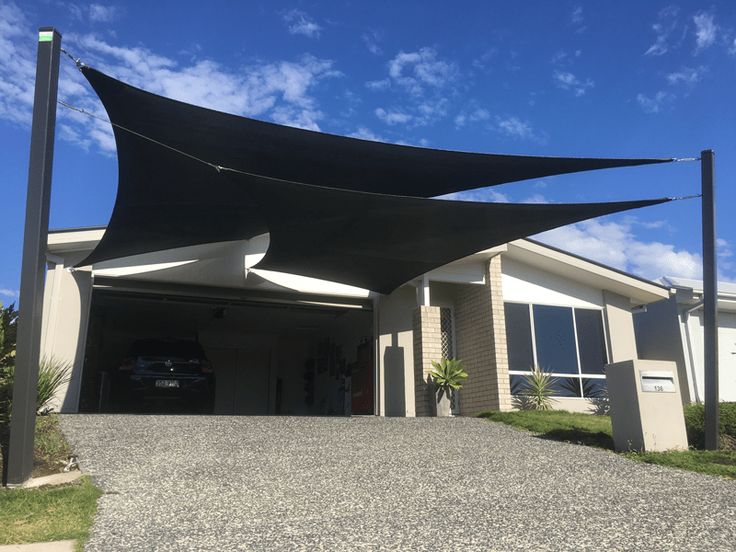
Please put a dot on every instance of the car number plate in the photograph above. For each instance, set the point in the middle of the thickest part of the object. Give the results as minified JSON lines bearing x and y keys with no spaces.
{"x":167,"y":383}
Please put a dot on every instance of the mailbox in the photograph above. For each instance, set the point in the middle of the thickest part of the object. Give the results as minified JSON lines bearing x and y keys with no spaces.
{"x":646,"y":408}
{"x":657,"y":382}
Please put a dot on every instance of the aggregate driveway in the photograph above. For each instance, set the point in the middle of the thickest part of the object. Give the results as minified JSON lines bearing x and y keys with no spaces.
{"x":285,"y":483}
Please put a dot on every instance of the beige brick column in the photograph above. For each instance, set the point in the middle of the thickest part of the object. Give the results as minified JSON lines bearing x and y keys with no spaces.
{"x":480,"y":335}
{"x":427,"y":347}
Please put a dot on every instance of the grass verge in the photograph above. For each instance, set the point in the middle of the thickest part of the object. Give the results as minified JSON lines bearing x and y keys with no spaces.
{"x":48,"y":513}
{"x":586,"y":429}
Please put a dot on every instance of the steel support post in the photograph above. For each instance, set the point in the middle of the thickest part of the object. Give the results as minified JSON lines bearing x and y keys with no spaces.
{"x":33,"y":271}
{"x":710,"y":301}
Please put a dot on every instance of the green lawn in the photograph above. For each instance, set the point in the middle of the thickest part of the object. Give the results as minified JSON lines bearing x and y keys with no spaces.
{"x":586,"y":429}
{"x":48,"y":514}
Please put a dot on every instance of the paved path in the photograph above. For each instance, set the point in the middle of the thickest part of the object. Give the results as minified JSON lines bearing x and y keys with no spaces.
{"x":243,"y":483}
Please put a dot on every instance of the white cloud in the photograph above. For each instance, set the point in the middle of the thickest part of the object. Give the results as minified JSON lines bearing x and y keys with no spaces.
{"x":417,"y":71}
{"x":364,"y":133}
{"x":484,"y":61}
{"x":418,"y":114}
{"x":382,"y":84}
{"x":705,"y":30}
{"x":687,"y":75}
{"x":576,"y":17}
{"x":615,"y":244}
{"x":516,"y":128}
{"x":393,"y":117}
{"x":12,"y":293}
{"x":425,"y":77}
{"x":299,"y":23}
{"x":17,"y":66}
{"x":666,"y":24}
{"x":371,"y":40}
{"x":656,"y":103}
{"x":473,"y":116}
{"x":536,"y":198}
{"x":567,"y":81}
{"x":732,"y":48}
{"x":482,"y":195}
{"x":561,"y":57}
{"x":577,"y":20}
{"x":103,"y":14}
{"x":276,"y":90}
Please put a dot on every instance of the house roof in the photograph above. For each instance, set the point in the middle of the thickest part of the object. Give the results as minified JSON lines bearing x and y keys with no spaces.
{"x":549,"y":258}
{"x":725,"y":289}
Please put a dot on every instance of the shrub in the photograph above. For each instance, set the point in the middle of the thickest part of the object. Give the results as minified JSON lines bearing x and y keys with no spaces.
{"x":695,"y":423}
{"x":448,"y":374}
{"x":536,"y":392}
{"x":52,"y":374}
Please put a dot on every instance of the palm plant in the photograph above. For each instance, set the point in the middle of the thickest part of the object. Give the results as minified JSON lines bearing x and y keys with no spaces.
{"x":537,"y":391}
{"x":448,"y":374}
{"x":448,"y":377}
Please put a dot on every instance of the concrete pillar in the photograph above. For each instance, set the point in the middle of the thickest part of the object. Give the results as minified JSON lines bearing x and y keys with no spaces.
{"x":427,"y":348}
{"x":395,"y":332}
{"x":480,"y":329}
{"x":67,"y":301}
{"x":620,"y":324}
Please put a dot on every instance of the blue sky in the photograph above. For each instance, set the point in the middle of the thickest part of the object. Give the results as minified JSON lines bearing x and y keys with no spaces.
{"x":628,"y":78}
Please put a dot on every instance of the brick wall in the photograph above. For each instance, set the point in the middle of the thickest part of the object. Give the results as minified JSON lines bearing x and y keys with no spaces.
{"x":427,"y":347}
{"x":480,"y":334}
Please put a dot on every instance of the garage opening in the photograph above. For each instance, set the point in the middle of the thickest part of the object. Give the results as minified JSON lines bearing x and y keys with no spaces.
{"x":173,"y":354}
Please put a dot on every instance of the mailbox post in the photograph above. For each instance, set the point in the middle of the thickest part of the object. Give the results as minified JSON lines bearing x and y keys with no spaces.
{"x":646,"y":408}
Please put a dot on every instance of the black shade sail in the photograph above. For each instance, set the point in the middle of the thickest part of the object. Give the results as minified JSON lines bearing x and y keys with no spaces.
{"x":331,"y":223}
{"x":317,"y":158}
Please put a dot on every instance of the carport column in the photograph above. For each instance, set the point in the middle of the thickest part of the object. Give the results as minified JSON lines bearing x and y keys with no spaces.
{"x":33,"y":271}
{"x":427,"y":347}
{"x":480,"y":335}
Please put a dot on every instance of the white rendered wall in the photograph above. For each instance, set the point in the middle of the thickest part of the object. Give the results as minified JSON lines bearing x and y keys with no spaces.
{"x":395,"y":334}
{"x":526,"y":284}
{"x":693,"y":329}
{"x":66,"y":305}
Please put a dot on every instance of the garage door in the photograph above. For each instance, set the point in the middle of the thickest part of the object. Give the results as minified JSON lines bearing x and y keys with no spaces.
{"x":154,"y":353}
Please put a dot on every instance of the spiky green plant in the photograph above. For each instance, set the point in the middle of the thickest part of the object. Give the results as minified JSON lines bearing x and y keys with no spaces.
{"x":448,"y":374}
{"x":52,"y":374}
{"x":536,"y":392}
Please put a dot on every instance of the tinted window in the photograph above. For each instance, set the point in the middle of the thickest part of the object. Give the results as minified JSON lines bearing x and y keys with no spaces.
{"x":594,"y":388}
{"x":155,"y":347}
{"x":518,"y":384}
{"x":566,"y":387}
{"x":519,"y":337}
{"x":591,"y":343}
{"x":555,"y":339}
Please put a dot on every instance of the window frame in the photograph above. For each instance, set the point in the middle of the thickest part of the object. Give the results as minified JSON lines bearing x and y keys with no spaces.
{"x":579,"y":376}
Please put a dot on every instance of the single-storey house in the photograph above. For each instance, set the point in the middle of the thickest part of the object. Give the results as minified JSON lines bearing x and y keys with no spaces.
{"x":286,"y":344}
{"x":673,"y":330}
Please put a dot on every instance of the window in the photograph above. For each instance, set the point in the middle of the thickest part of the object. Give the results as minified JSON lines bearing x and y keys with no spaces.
{"x":569,"y":343}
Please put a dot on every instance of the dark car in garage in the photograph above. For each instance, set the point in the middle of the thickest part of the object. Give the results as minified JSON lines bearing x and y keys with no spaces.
{"x":164,"y":374}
